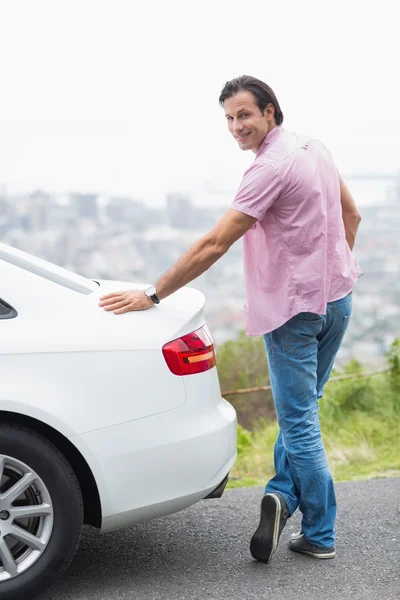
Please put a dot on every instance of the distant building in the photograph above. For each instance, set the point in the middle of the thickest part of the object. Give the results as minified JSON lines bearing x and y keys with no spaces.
{"x":117,"y":209}
{"x":4,"y":217}
{"x":7,"y":210}
{"x":3,"y":202}
{"x":86,"y":206}
{"x":126,"y":211}
{"x":180,"y":211}
{"x":40,"y":205}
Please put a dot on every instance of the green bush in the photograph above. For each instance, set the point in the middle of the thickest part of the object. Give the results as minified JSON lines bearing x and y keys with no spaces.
{"x":244,"y":440}
{"x":243,"y":364}
{"x":360,"y":418}
{"x":393,"y":359}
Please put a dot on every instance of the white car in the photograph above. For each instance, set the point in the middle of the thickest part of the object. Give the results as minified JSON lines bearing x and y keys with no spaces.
{"x":104,"y":419}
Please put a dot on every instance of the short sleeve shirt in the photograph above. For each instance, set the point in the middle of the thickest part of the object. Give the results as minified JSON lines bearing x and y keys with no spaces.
{"x":296,"y":258}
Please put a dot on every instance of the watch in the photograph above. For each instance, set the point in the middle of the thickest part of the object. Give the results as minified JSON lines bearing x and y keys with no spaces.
{"x":152,"y":294}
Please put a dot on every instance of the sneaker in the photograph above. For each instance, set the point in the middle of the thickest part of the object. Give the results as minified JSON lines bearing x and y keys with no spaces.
{"x":274,"y":514}
{"x":298,"y":543}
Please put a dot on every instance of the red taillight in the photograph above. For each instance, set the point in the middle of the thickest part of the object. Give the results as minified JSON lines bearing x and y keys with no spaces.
{"x":192,"y":353}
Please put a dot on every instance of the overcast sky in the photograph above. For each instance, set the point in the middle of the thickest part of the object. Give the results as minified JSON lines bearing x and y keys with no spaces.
{"x":122,"y":96}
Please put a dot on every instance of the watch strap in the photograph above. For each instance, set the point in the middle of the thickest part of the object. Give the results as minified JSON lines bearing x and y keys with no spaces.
{"x":153,"y":296}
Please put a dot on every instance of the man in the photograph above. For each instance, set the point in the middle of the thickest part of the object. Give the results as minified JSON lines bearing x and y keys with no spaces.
{"x":299,"y":224}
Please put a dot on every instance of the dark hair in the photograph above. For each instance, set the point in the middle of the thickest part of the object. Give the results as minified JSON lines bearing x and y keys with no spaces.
{"x":262,"y":92}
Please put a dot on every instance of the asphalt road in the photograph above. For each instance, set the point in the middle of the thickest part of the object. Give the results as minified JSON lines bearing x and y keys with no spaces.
{"x":202,"y":553}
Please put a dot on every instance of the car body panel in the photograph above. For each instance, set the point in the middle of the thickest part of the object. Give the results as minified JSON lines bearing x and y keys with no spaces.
{"x":90,"y":390}
{"x":154,"y":442}
{"x":53,"y":318}
{"x":148,"y":454}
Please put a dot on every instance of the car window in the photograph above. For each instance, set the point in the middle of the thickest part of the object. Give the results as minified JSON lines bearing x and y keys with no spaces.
{"x":6,"y":310}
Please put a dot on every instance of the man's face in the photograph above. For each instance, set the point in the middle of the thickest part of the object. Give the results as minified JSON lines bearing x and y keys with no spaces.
{"x":246,"y":122}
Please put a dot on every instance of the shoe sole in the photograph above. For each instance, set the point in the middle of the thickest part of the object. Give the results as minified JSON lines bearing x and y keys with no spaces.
{"x":313,"y":554}
{"x":264,"y":542}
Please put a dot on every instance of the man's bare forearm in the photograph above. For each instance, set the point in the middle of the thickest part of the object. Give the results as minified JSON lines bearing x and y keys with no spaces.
{"x":351,"y":216}
{"x":192,"y":264}
{"x":351,"y":222}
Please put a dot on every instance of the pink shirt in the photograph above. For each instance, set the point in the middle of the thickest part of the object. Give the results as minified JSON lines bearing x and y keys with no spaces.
{"x":296,"y":258}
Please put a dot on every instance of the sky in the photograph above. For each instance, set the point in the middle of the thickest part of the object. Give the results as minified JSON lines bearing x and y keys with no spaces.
{"x":121,"y":97}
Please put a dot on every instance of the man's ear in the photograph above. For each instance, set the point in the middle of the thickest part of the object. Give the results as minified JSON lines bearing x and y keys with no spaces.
{"x":269,"y":111}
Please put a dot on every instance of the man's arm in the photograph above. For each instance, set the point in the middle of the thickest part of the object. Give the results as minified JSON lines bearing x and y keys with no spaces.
{"x":204,"y":253}
{"x":351,"y":216}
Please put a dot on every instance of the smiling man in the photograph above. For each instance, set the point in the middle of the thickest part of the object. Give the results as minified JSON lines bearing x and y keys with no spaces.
{"x":298,"y":221}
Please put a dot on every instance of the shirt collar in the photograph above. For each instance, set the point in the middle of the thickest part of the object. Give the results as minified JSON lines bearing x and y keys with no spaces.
{"x":269,"y":138}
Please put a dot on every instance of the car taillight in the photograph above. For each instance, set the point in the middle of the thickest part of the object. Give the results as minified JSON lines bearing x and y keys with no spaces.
{"x":191,"y":353}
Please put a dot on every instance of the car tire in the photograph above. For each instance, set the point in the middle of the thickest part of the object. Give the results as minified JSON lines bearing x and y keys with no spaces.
{"x":51,"y":504}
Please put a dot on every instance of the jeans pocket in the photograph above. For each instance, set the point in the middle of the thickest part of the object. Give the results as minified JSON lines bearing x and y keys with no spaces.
{"x":340,"y":334}
{"x":307,"y":316}
{"x":300,"y":335}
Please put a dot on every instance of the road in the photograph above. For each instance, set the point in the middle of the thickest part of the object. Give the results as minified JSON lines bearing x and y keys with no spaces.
{"x":202,"y":553}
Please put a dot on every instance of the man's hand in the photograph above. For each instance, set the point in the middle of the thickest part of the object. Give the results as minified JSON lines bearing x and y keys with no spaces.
{"x":124,"y":301}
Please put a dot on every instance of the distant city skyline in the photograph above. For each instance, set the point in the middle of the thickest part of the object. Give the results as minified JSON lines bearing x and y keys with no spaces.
{"x":367,"y":189}
{"x":127,"y":241}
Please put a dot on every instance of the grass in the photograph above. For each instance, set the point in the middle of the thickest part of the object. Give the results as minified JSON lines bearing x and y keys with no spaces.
{"x":366,"y":447}
{"x":360,"y":423}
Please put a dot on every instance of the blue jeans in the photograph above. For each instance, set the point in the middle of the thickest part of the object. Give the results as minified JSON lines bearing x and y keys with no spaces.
{"x":301,"y":354}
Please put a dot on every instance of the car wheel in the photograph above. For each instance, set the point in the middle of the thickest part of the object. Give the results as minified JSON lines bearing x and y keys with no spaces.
{"x":41,"y":512}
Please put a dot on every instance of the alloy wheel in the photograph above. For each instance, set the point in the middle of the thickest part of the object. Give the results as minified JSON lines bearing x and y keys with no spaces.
{"x":26,"y":517}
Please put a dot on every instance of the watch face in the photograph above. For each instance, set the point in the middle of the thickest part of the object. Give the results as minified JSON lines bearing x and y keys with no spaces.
{"x":150,"y":291}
